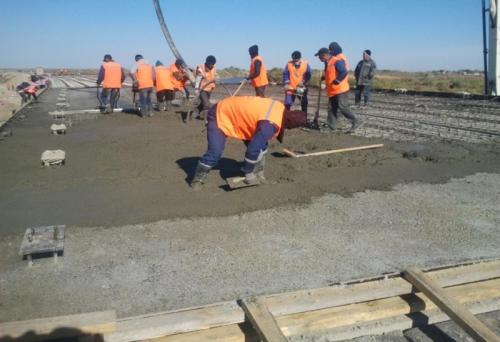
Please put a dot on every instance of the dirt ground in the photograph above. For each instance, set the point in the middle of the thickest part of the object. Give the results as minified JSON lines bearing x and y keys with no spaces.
{"x":124,"y":170}
{"x":140,"y":241}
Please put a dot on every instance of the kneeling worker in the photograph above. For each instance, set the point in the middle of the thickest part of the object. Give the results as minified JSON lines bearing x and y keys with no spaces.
{"x":255,"y":121}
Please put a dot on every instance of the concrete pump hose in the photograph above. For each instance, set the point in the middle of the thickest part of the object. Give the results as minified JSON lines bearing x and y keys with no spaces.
{"x":170,"y":41}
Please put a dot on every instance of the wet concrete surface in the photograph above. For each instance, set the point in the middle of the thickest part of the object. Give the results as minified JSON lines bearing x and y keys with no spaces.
{"x":121,"y":169}
{"x":140,"y":241}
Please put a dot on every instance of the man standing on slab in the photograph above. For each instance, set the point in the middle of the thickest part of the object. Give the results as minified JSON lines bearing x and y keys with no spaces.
{"x":337,"y":86}
{"x":364,"y":73}
{"x":258,"y":73}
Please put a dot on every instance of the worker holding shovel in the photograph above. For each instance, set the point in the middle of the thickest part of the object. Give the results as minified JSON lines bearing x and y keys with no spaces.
{"x":255,"y":121}
{"x":296,"y":75}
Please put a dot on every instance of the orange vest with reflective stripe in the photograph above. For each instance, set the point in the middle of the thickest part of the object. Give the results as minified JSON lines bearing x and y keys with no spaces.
{"x":296,"y":74}
{"x":178,"y":85}
{"x":260,"y":80}
{"x":163,"y":78}
{"x":112,"y":75}
{"x":331,"y":75}
{"x":237,"y":116}
{"x":207,"y":77}
{"x":144,"y":75}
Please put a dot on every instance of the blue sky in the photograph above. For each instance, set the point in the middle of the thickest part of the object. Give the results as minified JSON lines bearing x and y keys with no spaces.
{"x":403,"y":34}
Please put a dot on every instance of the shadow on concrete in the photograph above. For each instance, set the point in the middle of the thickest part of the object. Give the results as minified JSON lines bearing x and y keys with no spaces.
{"x":227,"y":167}
{"x":60,"y":335}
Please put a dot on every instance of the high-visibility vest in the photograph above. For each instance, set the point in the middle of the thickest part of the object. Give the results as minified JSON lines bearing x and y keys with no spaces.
{"x":112,"y":75}
{"x":30,"y":89}
{"x":144,"y":75}
{"x":178,"y":85}
{"x":207,"y":76}
{"x":296,"y":74}
{"x":237,"y":116}
{"x":163,"y":78}
{"x":260,"y":80}
{"x":331,"y":75}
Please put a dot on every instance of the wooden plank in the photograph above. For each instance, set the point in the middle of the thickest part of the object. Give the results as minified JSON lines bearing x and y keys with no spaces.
{"x":174,"y":322}
{"x":262,"y":320}
{"x":320,"y":298}
{"x":243,"y":332}
{"x":330,"y":318}
{"x":239,"y":182}
{"x":81,"y":111}
{"x":322,"y":153}
{"x":226,"y":313}
{"x":458,"y":313}
{"x":401,"y":322}
{"x":235,"y":332}
{"x":60,"y":327}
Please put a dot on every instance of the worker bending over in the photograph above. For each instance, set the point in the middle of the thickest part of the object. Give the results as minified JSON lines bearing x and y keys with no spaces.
{"x":164,"y":87}
{"x":296,"y":75}
{"x":255,"y":121}
{"x":205,"y":84}
{"x":111,"y":76}
{"x":337,"y":86}
{"x":179,"y":77}
{"x":258,"y":73}
{"x":144,"y":77}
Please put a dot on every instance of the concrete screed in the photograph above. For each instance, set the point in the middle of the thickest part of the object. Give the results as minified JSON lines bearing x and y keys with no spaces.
{"x":181,"y":262}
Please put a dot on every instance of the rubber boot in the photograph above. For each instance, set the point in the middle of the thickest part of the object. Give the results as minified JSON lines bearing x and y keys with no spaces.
{"x":200,"y":176}
{"x":259,"y":170}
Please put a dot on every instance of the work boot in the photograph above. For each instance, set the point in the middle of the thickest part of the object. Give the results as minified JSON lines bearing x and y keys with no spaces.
{"x":200,"y":175}
{"x":259,"y":170}
{"x":251,"y":179}
{"x":355,"y":125}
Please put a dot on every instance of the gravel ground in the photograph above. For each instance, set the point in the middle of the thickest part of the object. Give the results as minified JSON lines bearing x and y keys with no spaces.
{"x":171,"y":264}
{"x":139,"y":241}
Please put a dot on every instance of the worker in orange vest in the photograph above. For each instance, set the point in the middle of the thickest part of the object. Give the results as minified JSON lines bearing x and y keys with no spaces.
{"x":179,"y":77}
{"x":296,"y":76}
{"x":164,"y":87}
{"x":144,"y":77}
{"x":337,"y":86}
{"x":252,"y":119}
{"x":205,"y":84}
{"x":258,"y":73}
{"x":111,"y":76}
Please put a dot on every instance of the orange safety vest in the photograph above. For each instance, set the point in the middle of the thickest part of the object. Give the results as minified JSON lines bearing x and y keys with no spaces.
{"x":144,"y":75}
{"x":207,"y":76}
{"x":30,"y":89}
{"x":237,"y":116}
{"x":296,"y":74}
{"x":178,"y":85}
{"x":260,"y":80}
{"x":163,"y":78}
{"x":112,"y":75}
{"x":331,"y":75}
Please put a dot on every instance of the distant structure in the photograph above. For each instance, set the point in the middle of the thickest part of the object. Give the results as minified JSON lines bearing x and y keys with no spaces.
{"x":493,"y":80}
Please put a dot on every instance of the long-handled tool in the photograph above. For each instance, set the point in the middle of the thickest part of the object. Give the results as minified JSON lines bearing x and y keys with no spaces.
{"x":318,"y":104}
{"x":240,"y":86}
{"x":99,"y":97}
{"x":322,"y":153}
